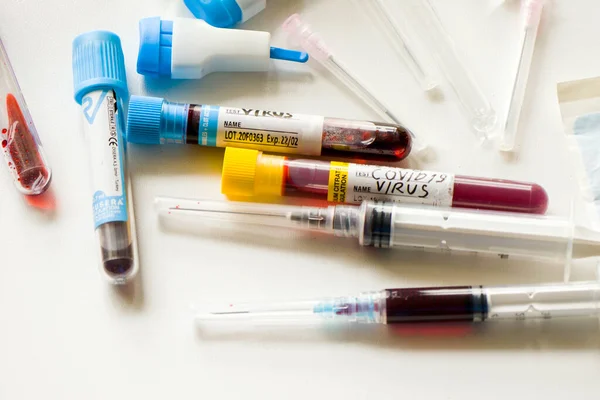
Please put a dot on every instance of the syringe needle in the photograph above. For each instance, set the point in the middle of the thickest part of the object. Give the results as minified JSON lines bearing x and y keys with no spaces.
{"x":208,"y":211}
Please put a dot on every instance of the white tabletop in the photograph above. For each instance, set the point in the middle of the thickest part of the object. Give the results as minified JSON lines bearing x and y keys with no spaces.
{"x":67,"y":334}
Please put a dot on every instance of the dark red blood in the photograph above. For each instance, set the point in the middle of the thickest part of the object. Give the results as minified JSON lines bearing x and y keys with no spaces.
{"x":306,"y":177}
{"x":4,"y":143}
{"x":365,"y":140}
{"x":310,"y":178}
{"x":499,"y":195}
{"x":433,"y":329}
{"x":431,"y":304}
{"x":23,"y":150}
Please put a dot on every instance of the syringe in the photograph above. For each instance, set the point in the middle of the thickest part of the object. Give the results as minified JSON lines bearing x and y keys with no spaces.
{"x":427,"y":304}
{"x":310,"y":42}
{"x":532,"y":15}
{"x":389,"y":225}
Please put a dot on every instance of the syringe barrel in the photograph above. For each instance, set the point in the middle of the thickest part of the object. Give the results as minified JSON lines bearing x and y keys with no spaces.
{"x":157,"y":121}
{"x":101,"y":89}
{"x":479,"y":303}
{"x":502,"y":234}
{"x":543,"y":301}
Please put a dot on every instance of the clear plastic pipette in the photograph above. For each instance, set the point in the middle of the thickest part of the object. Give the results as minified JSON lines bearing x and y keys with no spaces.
{"x":532,"y":15}
{"x":398,"y":38}
{"x":397,"y":225}
{"x":475,"y":105}
{"x":302,"y":35}
{"x":429,"y":304}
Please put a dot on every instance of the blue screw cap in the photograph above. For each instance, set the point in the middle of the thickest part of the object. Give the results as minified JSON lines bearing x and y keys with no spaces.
{"x":153,"y":120}
{"x":156,"y":47}
{"x":144,"y":120}
{"x":98,"y":64}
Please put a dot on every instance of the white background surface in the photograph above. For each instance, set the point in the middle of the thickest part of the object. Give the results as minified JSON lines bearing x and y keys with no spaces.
{"x":66,"y":334}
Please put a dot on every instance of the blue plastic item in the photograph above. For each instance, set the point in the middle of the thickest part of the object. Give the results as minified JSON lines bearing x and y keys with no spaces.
{"x":156,"y":47}
{"x":218,"y":13}
{"x":153,"y":120}
{"x":98,"y":63}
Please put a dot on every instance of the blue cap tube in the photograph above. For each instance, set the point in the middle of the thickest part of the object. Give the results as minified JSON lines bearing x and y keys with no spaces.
{"x":100,"y":85}
{"x":153,"y":120}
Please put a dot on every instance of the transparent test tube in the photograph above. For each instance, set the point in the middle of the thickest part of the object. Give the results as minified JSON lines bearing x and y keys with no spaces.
{"x":532,"y":15}
{"x":252,"y":173}
{"x":476,"y":107}
{"x":21,"y":144}
{"x":399,"y":39}
{"x":468,"y":304}
{"x":157,"y":121}
{"x":301,"y":34}
{"x":101,"y":89}
{"x":388,"y":225}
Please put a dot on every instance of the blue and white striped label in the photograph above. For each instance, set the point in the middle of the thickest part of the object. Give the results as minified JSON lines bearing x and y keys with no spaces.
{"x":208,"y":127}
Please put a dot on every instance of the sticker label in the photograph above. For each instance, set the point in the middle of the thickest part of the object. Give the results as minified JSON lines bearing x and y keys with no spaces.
{"x":279,"y":132}
{"x":338,"y":182}
{"x":354,"y":183}
{"x":106,"y":155}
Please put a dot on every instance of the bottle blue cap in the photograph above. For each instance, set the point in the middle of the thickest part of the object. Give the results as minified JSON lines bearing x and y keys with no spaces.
{"x":156,"y":47}
{"x":219,"y":13}
{"x":152,"y":120}
{"x":98,"y":63}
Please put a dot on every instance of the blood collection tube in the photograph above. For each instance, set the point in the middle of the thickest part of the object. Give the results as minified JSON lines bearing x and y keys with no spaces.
{"x":251,"y":173}
{"x":21,"y":145}
{"x":101,"y":89}
{"x":156,"y":121}
{"x":425,"y":304}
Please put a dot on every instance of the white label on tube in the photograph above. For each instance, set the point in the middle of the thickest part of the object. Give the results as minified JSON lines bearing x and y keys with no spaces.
{"x":270,"y":131}
{"x":379,"y":183}
{"x":106,"y":155}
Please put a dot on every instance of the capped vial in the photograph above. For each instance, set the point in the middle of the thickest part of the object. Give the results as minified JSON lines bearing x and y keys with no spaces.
{"x":21,"y":145}
{"x":101,"y":90}
{"x":252,"y":173}
{"x":157,"y":121}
